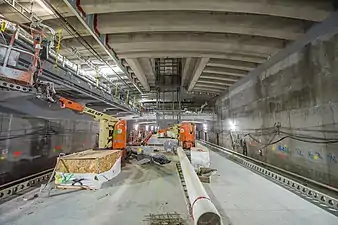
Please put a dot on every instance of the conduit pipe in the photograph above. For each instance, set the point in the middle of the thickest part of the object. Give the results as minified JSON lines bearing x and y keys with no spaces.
{"x":202,"y":209}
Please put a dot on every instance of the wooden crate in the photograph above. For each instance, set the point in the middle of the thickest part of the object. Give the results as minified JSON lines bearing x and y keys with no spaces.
{"x":89,"y":161}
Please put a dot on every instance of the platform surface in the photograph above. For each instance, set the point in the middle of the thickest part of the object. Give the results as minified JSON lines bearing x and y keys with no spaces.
{"x":245,"y":198}
{"x":127,"y":200}
{"x":241,"y":196}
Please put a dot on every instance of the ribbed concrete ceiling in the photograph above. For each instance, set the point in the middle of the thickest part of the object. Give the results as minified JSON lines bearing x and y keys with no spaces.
{"x":220,"y":41}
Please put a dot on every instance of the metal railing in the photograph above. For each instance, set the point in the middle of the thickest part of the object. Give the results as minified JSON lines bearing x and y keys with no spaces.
{"x":23,"y":184}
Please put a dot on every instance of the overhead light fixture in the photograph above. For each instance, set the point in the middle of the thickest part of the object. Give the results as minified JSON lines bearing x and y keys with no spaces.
{"x":44,"y":6}
{"x":232,"y":125}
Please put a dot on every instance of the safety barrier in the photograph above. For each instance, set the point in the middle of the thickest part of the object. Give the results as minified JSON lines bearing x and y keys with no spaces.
{"x":202,"y":209}
{"x":317,"y":197}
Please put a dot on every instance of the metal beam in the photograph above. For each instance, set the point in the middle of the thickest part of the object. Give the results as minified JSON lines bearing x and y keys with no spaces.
{"x":197,"y":72}
{"x":88,"y":22}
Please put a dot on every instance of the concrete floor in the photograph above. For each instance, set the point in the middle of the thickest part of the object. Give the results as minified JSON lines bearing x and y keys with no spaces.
{"x":128,"y":199}
{"x":244,"y":197}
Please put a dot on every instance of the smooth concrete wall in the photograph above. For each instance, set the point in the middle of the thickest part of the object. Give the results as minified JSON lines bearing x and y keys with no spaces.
{"x":300,"y":93}
{"x":32,"y":135}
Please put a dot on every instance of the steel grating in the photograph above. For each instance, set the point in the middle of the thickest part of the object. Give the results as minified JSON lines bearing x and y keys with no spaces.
{"x":165,"y":219}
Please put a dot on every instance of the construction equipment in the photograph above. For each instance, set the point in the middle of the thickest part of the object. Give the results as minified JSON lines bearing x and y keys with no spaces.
{"x":24,"y":77}
{"x":112,"y":133}
{"x":170,"y":132}
{"x":187,"y":135}
{"x":137,"y":138}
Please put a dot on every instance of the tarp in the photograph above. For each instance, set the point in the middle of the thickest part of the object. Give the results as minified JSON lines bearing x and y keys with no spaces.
{"x":200,"y":157}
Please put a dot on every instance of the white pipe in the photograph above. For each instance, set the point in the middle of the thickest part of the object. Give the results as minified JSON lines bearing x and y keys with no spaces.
{"x":202,"y":209}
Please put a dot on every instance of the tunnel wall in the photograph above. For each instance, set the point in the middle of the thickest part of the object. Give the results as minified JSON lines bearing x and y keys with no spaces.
{"x":300,"y":93}
{"x":32,"y":135}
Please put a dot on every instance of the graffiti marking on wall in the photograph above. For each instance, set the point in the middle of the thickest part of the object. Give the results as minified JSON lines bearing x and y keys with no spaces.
{"x":314,"y":155}
{"x":332,"y":158}
{"x":299,"y":152}
{"x":284,"y":148}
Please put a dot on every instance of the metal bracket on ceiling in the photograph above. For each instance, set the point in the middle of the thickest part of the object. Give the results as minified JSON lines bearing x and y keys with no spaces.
{"x":89,"y":23}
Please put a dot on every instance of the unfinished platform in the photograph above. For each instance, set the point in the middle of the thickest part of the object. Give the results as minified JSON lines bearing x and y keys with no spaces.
{"x":149,"y":194}
{"x":139,"y":195}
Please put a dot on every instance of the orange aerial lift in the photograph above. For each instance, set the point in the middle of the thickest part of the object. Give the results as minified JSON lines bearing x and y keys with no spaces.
{"x":187,"y":135}
{"x":112,"y":133}
{"x":20,"y":78}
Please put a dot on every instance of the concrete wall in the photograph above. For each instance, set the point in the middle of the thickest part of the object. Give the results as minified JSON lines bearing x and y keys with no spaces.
{"x":300,"y":93}
{"x":32,"y":135}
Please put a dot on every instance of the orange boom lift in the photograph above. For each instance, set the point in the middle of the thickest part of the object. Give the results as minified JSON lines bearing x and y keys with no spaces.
{"x":112,"y":130}
{"x":187,"y":135}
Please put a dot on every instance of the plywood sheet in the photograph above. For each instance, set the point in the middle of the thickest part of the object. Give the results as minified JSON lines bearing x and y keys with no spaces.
{"x":89,"y":161}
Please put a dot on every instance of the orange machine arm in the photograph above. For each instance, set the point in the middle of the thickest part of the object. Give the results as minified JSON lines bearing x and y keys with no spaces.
{"x":66,"y":103}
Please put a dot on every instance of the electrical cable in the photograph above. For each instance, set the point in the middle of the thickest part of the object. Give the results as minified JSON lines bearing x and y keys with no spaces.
{"x":308,"y":137}
{"x":312,"y":130}
{"x":315,"y":142}
{"x":81,"y":37}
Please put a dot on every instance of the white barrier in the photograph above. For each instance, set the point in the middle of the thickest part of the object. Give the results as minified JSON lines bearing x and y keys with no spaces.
{"x":203,"y":210}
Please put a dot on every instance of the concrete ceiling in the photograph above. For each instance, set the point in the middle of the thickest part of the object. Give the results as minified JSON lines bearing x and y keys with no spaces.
{"x":219,"y":41}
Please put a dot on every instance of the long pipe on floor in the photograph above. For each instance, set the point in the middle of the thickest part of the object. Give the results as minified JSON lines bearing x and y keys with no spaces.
{"x":203,"y":210}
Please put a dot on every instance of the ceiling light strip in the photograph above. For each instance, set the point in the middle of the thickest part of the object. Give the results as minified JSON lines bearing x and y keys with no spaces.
{"x":85,"y":21}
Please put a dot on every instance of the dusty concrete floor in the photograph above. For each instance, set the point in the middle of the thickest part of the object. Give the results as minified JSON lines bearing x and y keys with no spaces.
{"x":128,"y":199}
{"x":243,"y":197}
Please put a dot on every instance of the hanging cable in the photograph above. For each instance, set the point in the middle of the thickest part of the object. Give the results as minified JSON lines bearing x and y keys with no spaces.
{"x":308,"y":137}
{"x":86,"y":44}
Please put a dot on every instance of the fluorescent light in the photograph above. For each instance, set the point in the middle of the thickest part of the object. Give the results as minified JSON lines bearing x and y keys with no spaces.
{"x":45,"y":7}
{"x":232,"y":125}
